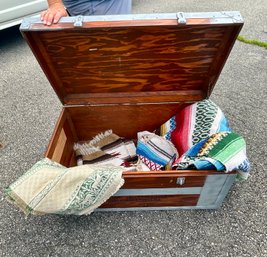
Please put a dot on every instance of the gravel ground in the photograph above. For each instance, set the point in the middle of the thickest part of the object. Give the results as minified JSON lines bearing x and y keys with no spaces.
{"x":29,"y":109}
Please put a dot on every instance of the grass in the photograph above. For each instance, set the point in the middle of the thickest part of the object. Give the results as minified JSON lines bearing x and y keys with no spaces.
{"x":252,"y":41}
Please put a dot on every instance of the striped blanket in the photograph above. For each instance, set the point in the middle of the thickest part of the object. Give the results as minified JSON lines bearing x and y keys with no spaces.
{"x":154,"y":152}
{"x":193,"y":124}
{"x":223,"y":151}
{"x":106,"y":148}
{"x":204,"y":140}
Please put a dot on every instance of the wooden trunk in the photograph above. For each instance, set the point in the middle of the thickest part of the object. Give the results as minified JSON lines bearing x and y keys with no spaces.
{"x":132,"y":73}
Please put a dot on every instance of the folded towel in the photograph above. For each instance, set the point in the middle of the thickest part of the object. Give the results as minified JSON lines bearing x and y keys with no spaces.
{"x":50,"y":188}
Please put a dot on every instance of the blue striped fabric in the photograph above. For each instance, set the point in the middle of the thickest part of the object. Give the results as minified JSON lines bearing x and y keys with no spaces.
{"x":98,"y":7}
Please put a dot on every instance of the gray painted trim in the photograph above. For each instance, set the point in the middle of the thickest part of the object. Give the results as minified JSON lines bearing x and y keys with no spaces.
{"x":159,"y":191}
{"x":215,"y":189}
{"x":226,"y":187}
{"x":211,"y":189}
{"x":217,"y":18}
{"x":166,"y":208}
{"x":212,"y":195}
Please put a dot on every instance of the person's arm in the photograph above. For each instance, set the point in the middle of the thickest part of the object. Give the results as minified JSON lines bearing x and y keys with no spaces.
{"x":55,"y":11}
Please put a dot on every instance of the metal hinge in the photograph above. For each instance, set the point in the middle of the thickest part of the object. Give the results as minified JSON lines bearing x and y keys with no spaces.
{"x":78,"y":21}
{"x":181,"y":18}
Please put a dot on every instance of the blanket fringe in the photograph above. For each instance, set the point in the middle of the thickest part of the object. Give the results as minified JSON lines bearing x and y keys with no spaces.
{"x":100,"y":136}
{"x":85,"y":148}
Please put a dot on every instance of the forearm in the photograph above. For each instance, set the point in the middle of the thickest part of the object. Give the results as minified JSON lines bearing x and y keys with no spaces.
{"x":53,"y":2}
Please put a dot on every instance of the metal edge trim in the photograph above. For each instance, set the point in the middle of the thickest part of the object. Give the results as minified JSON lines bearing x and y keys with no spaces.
{"x":159,"y":191}
{"x":225,"y":189}
{"x":166,"y":208}
{"x":227,"y":16}
{"x":211,"y":189}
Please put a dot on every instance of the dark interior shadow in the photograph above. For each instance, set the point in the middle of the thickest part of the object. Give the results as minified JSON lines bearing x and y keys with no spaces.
{"x":10,"y":37}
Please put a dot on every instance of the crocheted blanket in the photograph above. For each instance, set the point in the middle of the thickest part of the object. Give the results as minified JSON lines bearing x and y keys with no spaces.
{"x":50,"y":188}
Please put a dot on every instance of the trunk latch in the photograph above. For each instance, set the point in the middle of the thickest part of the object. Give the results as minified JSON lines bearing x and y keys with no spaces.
{"x":181,"y":18}
{"x":180,"y":181}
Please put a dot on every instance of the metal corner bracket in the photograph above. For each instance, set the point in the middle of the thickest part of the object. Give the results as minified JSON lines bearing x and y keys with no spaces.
{"x":25,"y":25}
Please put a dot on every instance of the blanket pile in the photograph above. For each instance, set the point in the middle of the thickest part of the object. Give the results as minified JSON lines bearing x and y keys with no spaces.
{"x":198,"y":137}
{"x":204,"y":140}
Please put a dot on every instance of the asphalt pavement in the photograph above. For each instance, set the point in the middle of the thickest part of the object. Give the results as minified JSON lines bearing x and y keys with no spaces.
{"x":29,"y":109}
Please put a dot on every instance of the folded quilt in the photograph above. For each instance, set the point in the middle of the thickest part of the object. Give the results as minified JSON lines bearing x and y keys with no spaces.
{"x":223,"y":151}
{"x":50,"y":188}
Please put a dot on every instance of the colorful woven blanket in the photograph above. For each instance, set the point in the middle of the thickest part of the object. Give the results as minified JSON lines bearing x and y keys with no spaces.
{"x":204,"y":140}
{"x":50,"y":188}
{"x":154,"y":152}
{"x":106,"y":148}
{"x":223,"y":151}
{"x":193,"y":124}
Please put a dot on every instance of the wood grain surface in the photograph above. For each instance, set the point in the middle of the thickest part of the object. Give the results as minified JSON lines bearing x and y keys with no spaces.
{"x":60,"y":148}
{"x":113,"y":60}
{"x":154,"y":181}
{"x":124,"y":120}
{"x":150,"y":201}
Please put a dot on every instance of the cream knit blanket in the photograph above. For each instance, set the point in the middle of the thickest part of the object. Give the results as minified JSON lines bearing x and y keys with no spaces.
{"x":50,"y":188}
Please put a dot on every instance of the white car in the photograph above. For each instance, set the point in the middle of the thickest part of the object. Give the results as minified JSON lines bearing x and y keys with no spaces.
{"x":13,"y":11}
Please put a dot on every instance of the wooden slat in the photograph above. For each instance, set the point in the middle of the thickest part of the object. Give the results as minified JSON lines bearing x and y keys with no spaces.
{"x":161,"y":182}
{"x":125,"y":120}
{"x":67,"y":152}
{"x":219,"y":61}
{"x":56,"y":134}
{"x":45,"y":62}
{"x":169,"y":173}
{"x":60,"y":148}
{"x":150,"y":201}
{"x":190,"y":96}
{"x":124,"y":23}
{"x":61,"y":145}
{"x":115,"y":57}
{"x":109,"y":24}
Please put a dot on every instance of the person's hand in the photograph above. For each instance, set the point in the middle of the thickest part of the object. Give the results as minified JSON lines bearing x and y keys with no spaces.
{"x":53,"y":14}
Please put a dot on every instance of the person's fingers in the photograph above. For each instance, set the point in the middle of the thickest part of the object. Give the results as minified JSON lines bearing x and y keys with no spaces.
{"x":45,"y":16}
{"x":57,"y":17}
{"x":42,"y":15}
{"x":53,"y":14}
{"x":49,"y":18}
